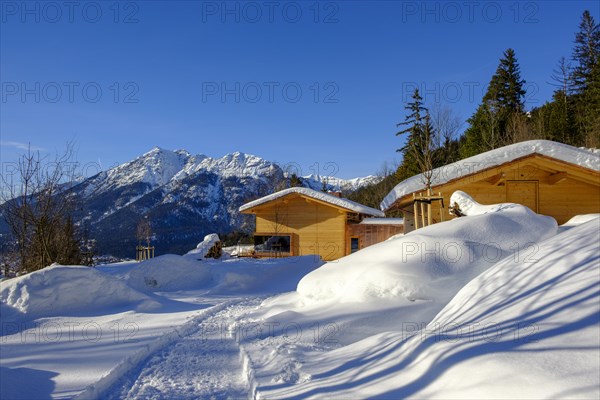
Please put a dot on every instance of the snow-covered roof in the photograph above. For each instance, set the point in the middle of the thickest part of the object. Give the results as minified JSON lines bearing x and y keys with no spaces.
{"x":586,"y":158}
{"x":327,"y":198}
{"x":382,"y":221}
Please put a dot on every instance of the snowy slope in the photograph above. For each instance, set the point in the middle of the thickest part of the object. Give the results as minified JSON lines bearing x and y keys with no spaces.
{"x":153,"y":169}
{"x":578,"y":156}
{"x":528,"y":327}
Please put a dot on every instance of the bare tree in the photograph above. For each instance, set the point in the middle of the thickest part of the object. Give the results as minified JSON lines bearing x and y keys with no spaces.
{"x":518,"y":128}
{"x":144,"y":231}
{"x":38,"y":210}
{"x":445,"y":123}
{"x":492,"y":137}
{"x":562,"y":77}
{"x":447,"y":126}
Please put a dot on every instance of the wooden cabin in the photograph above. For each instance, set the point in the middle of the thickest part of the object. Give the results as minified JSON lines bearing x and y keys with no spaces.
{"x":370,"y":231}
{"x":302,"y":221}
{"x":550,"y":178}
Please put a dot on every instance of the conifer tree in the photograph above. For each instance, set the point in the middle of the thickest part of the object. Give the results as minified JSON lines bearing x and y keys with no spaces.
{"x":419,"y":148}
{"x":295,"y":180}
{"x":414,"y":123}
{"x":502,"y":101}
{"x":586,"y":77}
{"x":506,"y":86}
{"x":586,"y":52}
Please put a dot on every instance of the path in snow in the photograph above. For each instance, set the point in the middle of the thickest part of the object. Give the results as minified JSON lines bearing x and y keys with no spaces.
{"x":204,"y":364}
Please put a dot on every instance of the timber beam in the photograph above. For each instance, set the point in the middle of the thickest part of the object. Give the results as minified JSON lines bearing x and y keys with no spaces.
{"x":496,"y":179}
{"x":557,"y":178}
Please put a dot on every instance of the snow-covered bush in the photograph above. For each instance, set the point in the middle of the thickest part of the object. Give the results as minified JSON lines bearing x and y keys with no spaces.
{"x":204,"y":247}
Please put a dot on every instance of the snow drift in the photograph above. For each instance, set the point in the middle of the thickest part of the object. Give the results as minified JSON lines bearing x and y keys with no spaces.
{"x":528,"y":327}
{"x":434,"y":262}
{"x":60,"y":290}
{"x":468,"y":206}
{"x":233,"y":276}
{"x":169,"y":272}
{"x":261,"y":276}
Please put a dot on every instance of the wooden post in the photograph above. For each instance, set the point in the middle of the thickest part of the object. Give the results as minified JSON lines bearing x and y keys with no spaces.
{"x":441,"y":206}
{"x":422,"y":211}
{"x":429,"y":219}
{"x":416,"y":210}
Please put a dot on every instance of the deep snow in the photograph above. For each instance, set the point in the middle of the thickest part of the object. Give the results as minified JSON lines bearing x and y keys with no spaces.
{"x":70,"y":329}
{"x":525,"y":328}
{"x":516,"y":318}
{"x":65,"y":290}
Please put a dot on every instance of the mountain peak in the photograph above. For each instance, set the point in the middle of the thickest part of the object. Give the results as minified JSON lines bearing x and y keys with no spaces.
{"x":154,"y":150}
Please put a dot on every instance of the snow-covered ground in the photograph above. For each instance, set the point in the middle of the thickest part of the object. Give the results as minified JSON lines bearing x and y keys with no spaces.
{"x":527,"y":327}
{"x":501,"y":303}
{"x":76,"y":329}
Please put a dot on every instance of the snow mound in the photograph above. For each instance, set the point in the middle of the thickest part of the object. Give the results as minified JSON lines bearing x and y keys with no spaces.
{"x":58,"y":290}
{"x":169,"y":272}
{"x":251,"y":276}
{"x":468,"y":206}
{"x":430,"y":263}
{"x":527,"y":328}
{"x":580,"y":219}
{"x":524,"y":328}
{"x":224,"y":277}
{"x":204,"y":246}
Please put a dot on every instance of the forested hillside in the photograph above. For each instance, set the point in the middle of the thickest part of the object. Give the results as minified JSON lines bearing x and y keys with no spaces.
{"x":433,"y":132}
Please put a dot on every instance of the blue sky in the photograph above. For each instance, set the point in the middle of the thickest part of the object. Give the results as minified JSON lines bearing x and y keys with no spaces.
{"x":294,"y":82}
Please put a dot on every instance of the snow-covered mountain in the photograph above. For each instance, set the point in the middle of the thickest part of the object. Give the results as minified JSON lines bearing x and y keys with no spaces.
{"x":343,"y":185}
{"x":184,"y":196}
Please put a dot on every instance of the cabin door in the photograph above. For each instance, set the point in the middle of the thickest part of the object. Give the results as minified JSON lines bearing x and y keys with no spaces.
{"x":523,"y":192}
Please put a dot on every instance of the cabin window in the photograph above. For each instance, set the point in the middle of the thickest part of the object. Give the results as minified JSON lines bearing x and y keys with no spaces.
{"x":354,"y":245}
{"x":272,"y":244}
